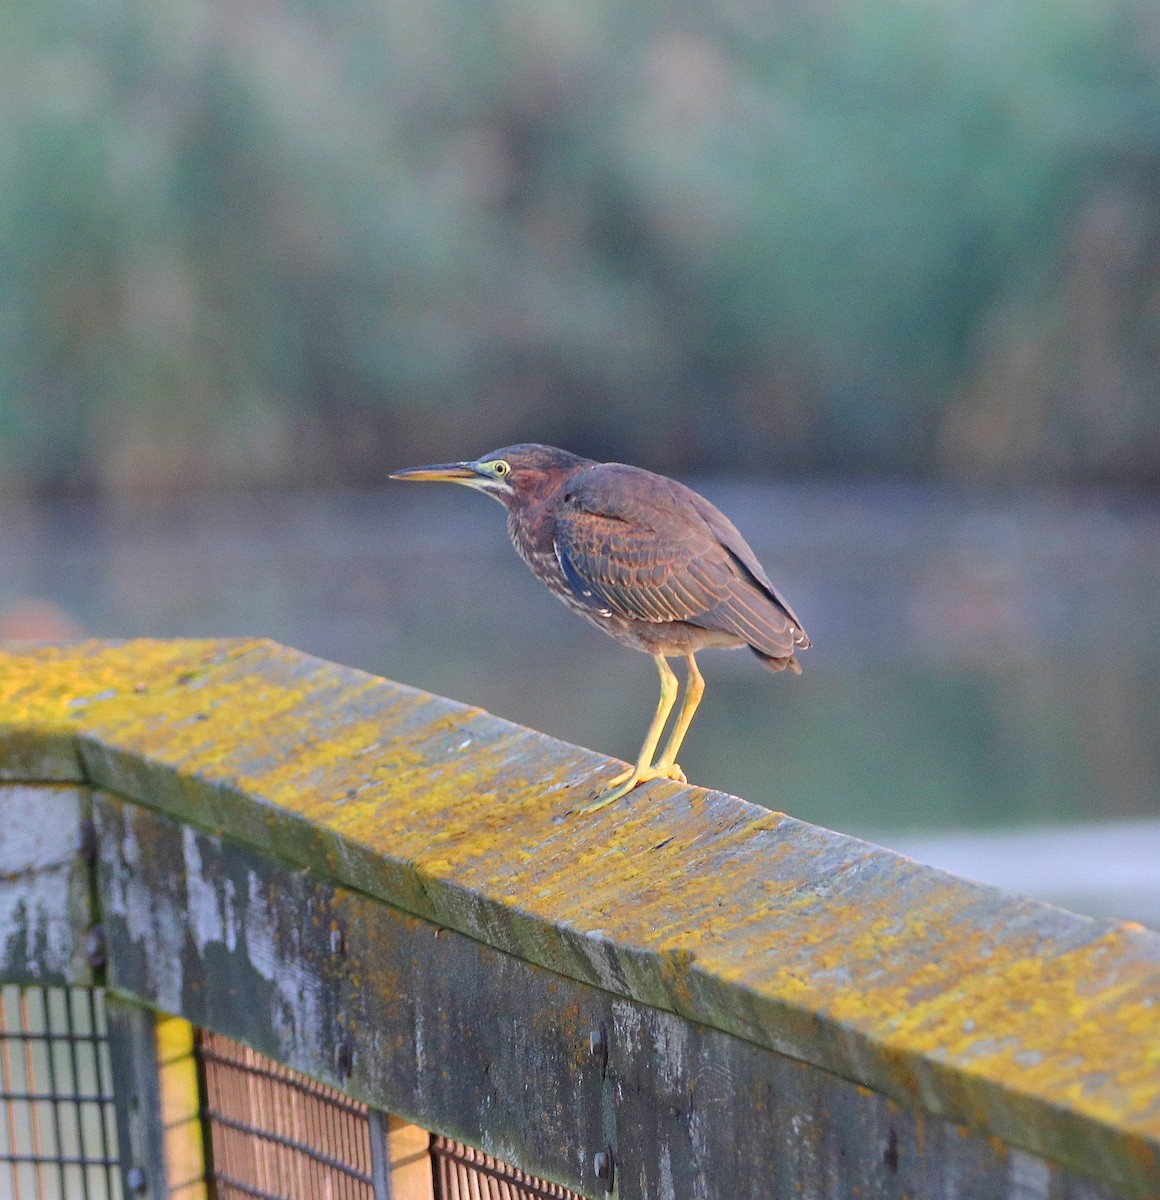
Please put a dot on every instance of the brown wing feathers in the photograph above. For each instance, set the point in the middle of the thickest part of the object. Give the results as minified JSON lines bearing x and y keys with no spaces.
{"x":648,"y":582}
{"x":751,"y":613}
{"x":653,"y":550}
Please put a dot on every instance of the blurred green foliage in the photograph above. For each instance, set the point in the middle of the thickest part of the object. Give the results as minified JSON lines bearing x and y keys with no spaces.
{"x":246,"y":241}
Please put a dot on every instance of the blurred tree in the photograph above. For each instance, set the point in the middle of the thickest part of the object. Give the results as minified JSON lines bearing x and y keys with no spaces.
{"x":247,"y":241}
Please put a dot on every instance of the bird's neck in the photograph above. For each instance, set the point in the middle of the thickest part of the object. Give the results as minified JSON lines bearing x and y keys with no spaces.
{"x":532,"y":529}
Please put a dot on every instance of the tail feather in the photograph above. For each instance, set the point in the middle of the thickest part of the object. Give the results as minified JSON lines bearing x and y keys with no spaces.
{"x":772,"y":662}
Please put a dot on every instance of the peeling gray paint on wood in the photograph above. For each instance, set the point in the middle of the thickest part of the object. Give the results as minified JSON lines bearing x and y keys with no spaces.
{"x":484,"y":1047}
{"x":45,"y":908}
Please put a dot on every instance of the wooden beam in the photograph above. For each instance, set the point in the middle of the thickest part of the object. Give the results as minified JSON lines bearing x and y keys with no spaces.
{"x":536,"y":1069}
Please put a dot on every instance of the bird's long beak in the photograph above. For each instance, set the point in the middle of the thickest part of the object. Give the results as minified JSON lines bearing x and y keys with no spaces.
{"x":460,"y":472}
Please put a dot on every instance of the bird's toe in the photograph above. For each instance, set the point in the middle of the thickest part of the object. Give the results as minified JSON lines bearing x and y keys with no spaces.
{"x":619,"y":778}
{"x":623,"y":783}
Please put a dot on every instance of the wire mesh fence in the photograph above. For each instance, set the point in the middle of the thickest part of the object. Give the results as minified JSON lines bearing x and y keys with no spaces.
{"x":463,"y":1173}
{"x":263,"y":1131}
{"x":275,"y":1135}
{"x":57,"y":1126}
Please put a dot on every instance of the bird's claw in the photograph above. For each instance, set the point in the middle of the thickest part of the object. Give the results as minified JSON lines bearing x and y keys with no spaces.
{"x":624,"y":781}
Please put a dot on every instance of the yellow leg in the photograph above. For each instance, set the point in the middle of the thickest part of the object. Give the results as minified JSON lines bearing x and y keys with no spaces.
{"x":694,"y":690}
{"x":643,"y":770}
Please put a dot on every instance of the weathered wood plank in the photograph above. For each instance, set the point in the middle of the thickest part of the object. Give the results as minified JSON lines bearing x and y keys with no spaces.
{"x":28,"y":754}
{"x":1025,"y":1022}
{"x":45,"y":903}
{"x":45,"y":691}
{"x":492,"y":1050}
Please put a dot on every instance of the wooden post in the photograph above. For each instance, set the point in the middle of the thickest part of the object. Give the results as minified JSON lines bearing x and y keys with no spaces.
{"x":181,"y":1105}
{"x":409,"y":1152}
{"x":137,"y":1099}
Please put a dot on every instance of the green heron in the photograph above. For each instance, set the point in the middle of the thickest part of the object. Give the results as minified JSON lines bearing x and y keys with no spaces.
{"x":648,"y":560}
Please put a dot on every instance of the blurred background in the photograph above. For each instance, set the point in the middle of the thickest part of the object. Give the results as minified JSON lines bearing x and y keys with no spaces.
{"x":880,"y":277}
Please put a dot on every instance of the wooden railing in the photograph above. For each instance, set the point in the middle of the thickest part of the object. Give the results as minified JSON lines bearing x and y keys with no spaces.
{"x":681,"y":995}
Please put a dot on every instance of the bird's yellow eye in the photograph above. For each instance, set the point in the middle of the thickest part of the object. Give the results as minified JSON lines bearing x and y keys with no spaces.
{"x":500,"y":468}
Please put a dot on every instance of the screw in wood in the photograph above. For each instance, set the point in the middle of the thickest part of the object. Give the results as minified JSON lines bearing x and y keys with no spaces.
{"x":604,"y":1167}
{"x":96,"y":952}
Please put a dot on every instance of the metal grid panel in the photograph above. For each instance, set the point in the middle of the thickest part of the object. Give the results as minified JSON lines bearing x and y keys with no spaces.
{"x":57,"y":1124}
{"x":466,"y":1174}
{"x":275,"y":1135}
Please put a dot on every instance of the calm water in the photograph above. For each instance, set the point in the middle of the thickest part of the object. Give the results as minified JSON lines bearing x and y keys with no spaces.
{"x":978,"y":662}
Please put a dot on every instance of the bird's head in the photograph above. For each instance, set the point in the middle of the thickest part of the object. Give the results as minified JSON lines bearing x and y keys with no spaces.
{"x":514,"y":475}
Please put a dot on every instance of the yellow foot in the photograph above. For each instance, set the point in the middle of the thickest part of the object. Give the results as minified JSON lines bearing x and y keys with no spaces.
{"x":623,"y":783}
